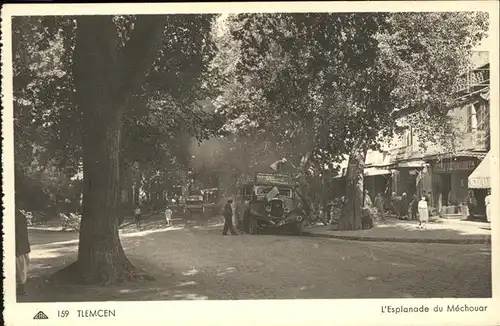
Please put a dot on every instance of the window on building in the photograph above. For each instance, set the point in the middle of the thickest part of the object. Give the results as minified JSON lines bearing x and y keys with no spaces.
{"x":483,"y":123}
{"x":483,"y":116}
{"x":408,"y":138}
{"x":471,"y":116}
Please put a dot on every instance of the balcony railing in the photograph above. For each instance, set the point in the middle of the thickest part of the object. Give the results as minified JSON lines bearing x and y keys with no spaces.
{"x":477,"y":140}
{"x":474,"y":80}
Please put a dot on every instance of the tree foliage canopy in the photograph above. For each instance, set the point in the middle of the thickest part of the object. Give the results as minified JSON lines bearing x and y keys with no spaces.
{"x":170,"y":108}
{"x":339,"y":79}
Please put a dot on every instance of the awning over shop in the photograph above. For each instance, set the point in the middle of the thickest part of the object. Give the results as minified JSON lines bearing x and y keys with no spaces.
{"x":368,"y":172}
{"x":410,"y":164}
{"x":480,"y":178}
{"x":372,"y":171}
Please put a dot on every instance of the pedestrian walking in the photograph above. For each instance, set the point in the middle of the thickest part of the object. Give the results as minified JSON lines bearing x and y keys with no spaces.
{"x":168,"y":216}
{"x":487,"y":203}
{"x":423,"y":213}
{"x":228,"y":218}
{"x":22,"y":252}
{"x":137,"y":216}
{"x":414,"y":208}
{"x":379,"y":204}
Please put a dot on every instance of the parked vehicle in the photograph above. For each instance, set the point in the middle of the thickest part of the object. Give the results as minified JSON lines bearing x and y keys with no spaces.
{"x":211,"y":202}
{"x":194,"y":206}
{"x":270,"y":201}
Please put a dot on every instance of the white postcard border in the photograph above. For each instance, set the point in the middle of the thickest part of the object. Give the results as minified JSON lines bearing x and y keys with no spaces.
{"x":265,"y":312}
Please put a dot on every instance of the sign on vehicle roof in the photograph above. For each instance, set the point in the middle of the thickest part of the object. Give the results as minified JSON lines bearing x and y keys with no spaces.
{"x":272,"y":178}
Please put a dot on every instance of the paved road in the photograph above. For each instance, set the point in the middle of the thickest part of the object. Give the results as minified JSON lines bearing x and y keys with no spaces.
{"x":200,"y":263}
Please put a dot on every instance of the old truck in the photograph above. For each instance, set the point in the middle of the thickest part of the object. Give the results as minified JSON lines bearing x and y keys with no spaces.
{"x":269,"y":201}
{"x":194,"y":207}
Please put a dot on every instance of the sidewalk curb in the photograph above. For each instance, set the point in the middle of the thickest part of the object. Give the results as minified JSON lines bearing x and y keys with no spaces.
{"x":486,"y":240}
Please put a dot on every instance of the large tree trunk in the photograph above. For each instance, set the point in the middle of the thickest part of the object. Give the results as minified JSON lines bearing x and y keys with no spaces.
{"x":303,"y":188}
{"x":351,"y":215}
{"x":104,"y":81}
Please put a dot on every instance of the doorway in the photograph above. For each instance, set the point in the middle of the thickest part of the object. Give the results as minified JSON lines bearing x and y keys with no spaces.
{"x":480,"y":194}
{"x":445,"y":187}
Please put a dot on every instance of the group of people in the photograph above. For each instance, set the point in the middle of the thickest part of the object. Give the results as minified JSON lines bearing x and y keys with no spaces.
{"x":330,"y":212}
{"x":472,"y":205}
{"x":409,"y":209}
{"x":138,"y":216}
{"x":404,"y":208}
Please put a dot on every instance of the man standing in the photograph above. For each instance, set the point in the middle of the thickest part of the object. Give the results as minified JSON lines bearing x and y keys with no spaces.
{"x":428,"y":199}
{"x":414,"y":207}
{"x":394,"y":204}
{"x":228,"y":218}
{"x":22,"y":252}
{"x":403,"y":204}
{"x":366,"y":215}
{"x":472,"y":204}
{"x":487,"y":203}
{"x":137,"y":216}
{"x":379,"y":204}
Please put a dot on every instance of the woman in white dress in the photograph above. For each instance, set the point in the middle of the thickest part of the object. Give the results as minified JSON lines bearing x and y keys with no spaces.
{"x":487,"y":203}
{"x":423,"y":213}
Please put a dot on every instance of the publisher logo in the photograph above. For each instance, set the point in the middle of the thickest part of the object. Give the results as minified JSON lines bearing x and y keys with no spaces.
{"x":40,"y":315}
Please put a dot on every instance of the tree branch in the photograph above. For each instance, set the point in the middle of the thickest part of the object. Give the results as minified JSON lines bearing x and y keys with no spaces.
{"x":139,"y":53}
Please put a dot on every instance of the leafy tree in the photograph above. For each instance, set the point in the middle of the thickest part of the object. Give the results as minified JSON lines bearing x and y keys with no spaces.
{"x":101,"y":82}
{"x":340,"y":81}
{"x":40,"y":104}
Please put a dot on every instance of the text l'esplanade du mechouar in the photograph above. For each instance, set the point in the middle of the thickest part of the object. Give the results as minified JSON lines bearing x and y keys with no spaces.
{"x":422,"y":309}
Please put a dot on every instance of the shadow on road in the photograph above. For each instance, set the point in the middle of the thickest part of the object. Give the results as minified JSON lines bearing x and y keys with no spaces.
{"x":52,"y":250}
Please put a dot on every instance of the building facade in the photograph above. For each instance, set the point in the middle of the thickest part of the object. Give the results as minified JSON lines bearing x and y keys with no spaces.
{"x":404,"y":166}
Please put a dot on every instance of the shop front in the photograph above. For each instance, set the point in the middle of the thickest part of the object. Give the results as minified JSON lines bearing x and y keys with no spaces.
{"x":377,"y":181}
{"x":450,"y":183}
{"x":409,"y":177}
{"x":479,"y":181}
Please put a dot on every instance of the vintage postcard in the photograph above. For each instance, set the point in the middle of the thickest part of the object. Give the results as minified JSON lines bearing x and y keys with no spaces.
{"x":259,"y":163}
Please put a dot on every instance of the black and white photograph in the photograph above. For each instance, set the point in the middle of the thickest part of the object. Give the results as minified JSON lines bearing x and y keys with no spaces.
{"x":242,"y":155}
